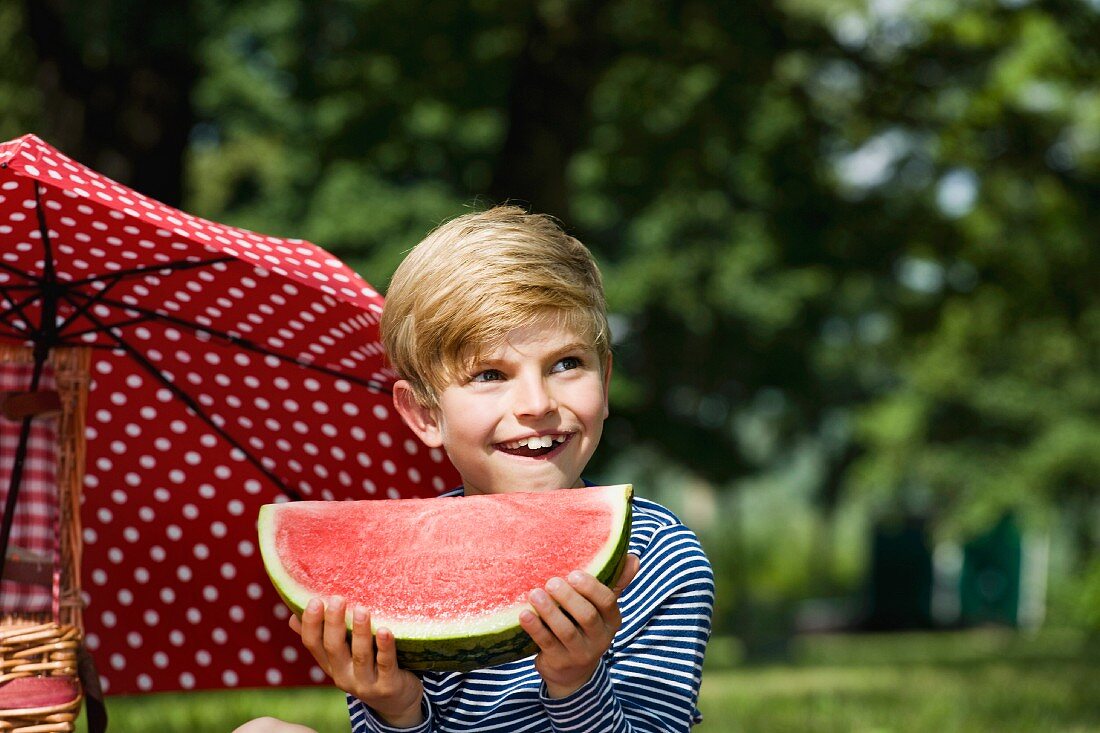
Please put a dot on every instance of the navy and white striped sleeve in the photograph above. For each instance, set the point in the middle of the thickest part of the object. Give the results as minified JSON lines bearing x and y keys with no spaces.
{"x":649,"y":680}
{"x":363,"y":719}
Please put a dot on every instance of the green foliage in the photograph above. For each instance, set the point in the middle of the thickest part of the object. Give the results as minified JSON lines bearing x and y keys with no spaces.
{"x":19,"y":101}
{"x":858,"y":231}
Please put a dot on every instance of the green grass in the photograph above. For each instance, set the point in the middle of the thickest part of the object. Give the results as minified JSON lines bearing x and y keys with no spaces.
{"x":944,"y":683}
{"x":928,"y":683}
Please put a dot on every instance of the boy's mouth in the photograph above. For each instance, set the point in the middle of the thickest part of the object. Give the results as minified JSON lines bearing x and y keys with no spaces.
{"x":535,"y":446}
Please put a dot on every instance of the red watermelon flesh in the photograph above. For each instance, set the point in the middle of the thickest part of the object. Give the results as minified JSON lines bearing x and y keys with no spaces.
{"x":449,"y":576}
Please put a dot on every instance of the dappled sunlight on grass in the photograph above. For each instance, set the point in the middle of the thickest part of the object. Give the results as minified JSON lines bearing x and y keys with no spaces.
{"x":978,"y":681}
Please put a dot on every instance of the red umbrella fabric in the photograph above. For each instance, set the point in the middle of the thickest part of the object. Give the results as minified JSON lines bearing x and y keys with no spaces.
{"x":230,"y":369}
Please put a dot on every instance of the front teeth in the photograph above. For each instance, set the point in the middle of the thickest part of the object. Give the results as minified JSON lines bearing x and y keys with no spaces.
{"x":544,"y":441}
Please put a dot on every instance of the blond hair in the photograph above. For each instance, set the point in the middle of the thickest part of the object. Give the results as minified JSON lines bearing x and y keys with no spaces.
{"x":475,"y":279}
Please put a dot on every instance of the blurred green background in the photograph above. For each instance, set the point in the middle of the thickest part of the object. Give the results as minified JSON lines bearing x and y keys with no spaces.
{"x":850,"y":247}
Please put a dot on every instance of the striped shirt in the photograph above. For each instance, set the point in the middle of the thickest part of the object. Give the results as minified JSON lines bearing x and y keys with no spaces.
{"x":648,"y":681}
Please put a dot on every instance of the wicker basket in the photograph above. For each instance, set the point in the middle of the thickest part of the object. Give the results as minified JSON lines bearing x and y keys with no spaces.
{"x":45,"y":654}
{"x":44,"y":647}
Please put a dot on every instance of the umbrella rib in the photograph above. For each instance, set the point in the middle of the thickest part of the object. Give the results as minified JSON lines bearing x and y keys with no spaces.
{"x":72,"y":336}
{"x":16,"y":309}
{"x":152,"y":269}
{"x":244,"y":344}
{"x":196,"y":408}
{"x":19,"y":273}
{"x":88,"y":303}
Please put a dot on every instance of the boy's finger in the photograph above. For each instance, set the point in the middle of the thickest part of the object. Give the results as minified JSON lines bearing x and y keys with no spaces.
{"x":530,"y":622}
{"x":335,"y":637}
{"x":362,"y":642}
{"x":586,"y":601}
{"x":550,"y":612}
{"x":313,"y":621}
{"x":312,"y":630}
{"x":598,"y":594}
{"x":387,"y":651}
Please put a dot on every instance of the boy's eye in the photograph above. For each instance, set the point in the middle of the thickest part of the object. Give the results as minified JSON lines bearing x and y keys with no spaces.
{"x":567,"y":363}
{"x":488,"y":375}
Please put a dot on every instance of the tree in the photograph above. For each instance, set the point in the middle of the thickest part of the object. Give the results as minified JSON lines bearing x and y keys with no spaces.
{"x":861,"y":232}
{"x":112,"y":85}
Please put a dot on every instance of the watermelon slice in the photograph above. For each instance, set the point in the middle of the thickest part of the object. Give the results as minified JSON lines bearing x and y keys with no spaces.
{"x":449,"y":576}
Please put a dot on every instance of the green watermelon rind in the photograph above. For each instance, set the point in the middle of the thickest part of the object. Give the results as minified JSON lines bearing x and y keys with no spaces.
{"x":497,"y":639}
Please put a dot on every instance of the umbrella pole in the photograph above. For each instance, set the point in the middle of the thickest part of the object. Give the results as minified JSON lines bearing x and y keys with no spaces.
{"x":44,"y":339}
{"x":40,"y":355}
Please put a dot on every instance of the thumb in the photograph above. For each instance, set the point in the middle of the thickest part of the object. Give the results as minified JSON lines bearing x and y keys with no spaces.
{"x":630,"y":569}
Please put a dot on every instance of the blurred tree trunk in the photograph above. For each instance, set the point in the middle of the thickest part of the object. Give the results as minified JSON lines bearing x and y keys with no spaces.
{"x":561,"y":62}
{"x":116,"y":81}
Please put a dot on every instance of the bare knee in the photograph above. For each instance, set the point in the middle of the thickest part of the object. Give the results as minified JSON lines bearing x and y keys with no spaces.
{"x":272,"y":725}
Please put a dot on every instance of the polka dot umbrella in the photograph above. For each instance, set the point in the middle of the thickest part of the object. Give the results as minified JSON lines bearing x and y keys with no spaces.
{"x":229,"y":369}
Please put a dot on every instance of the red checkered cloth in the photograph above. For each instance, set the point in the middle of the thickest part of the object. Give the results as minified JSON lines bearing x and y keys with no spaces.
{"x":34,"y":533}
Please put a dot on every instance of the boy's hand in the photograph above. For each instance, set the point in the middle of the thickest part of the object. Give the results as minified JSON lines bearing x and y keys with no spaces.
{"x":570,"y":646}
{"x":368,"y":668}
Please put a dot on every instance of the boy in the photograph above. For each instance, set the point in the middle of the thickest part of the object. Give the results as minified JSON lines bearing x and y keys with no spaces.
{"x":497,"y":325}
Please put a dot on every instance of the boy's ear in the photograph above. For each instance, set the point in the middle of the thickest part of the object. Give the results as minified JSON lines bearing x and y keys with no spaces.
{"x":606,"y":388}
{"x":420,"y":419}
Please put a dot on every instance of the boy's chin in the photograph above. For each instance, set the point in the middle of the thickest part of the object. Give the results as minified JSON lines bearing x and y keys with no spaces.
{"x":539,"y":482}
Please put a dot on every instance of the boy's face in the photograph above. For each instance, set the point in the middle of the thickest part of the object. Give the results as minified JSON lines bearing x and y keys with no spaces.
{"x":542,"y":387}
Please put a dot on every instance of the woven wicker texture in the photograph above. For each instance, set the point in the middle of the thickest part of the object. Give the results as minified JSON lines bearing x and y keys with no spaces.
{"x":39,"y":688}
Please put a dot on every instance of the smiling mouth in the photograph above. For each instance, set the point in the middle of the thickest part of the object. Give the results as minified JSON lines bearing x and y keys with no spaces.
{"x":535,"y":446}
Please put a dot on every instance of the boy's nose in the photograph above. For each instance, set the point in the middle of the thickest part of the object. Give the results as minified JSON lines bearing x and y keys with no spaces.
{"x":533,"y":398}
